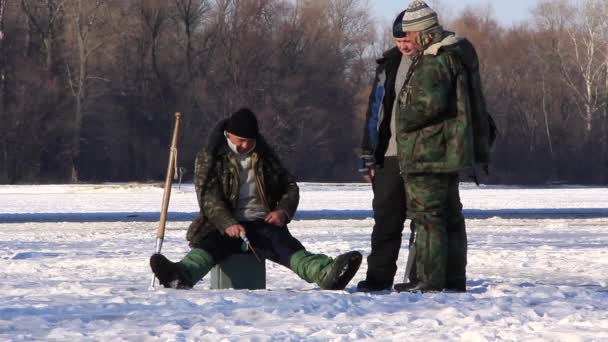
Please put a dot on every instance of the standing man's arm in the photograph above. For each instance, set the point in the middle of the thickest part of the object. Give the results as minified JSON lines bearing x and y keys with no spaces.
{"x":370,"y":130}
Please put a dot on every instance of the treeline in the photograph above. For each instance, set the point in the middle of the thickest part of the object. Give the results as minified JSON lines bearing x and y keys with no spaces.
{"x":547,"y":85}
{"x":88,"y":88}
{"x":91,"y":86}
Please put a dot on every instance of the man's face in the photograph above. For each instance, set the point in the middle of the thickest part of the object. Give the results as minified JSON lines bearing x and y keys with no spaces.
{"x":410,"y":40}
{"x":242,"y":144}
{"x":405,"y":46}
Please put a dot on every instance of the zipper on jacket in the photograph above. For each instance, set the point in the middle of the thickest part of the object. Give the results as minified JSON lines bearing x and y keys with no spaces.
{"x":234,"y":197}
{"x":259,"y":182}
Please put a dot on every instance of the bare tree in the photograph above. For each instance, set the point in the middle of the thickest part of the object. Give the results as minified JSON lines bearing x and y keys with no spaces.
{"x":2,"y":58}
{"x":3,"y":88}
{"x":191,"y":13}
{"x":2,"y":6}
{"x":43,"y":16}
{"x":349,"y":21}
{"x":103,"y":94}
{"x":544,"y":63}
{"x":85,"y":17}
{"x":154,"y":15}
{"x":578,"y":51}
{"x":605,"y":123}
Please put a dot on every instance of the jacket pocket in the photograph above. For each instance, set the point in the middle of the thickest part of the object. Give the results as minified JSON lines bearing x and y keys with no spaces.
{"x":195,"y":227}
{"x":405,"y":146}
{"x":430,"y":146}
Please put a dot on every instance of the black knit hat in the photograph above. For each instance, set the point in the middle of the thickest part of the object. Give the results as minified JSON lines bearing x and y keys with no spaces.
{"x":243,"y":123}
{"x":398,"y":26}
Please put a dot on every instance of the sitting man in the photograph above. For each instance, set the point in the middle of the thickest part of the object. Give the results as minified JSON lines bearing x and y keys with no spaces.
{"x":243,"y":190}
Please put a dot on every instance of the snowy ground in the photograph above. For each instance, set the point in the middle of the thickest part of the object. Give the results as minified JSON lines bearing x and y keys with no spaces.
{"x":74,"y":267}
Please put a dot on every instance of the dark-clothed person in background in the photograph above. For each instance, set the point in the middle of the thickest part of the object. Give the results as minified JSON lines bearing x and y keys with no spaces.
{"x":380,"y":165}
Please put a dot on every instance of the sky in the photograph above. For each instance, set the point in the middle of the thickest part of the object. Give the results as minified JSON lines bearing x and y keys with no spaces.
{"x":507,"y":12}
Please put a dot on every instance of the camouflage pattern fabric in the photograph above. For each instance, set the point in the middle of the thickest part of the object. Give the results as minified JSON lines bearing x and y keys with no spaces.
{"x":457,"y":243}
{"x":426,"y":203}
{"x":484,"y":127}
{"x":438,"y":136}
{"x":443,"y":124}
{"x":433,"y":129}
{"x":216,"y":183}
{"x":441,"y":243}
{"x":276,"y":187}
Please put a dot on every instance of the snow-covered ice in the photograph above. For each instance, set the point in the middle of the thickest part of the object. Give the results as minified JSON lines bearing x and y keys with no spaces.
{"x":74,"y":267}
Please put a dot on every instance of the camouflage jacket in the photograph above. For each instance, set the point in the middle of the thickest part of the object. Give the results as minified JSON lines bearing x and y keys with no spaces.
{"x":216,"y":182}
{"x":442,"y":121}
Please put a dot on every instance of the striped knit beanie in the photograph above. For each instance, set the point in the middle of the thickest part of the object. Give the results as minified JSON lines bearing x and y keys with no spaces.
{"x":419,"y":17}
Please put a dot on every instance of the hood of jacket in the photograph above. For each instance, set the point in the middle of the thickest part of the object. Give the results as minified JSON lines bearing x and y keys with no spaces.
{"x":437,"y":40}
{"x":448,"y":40}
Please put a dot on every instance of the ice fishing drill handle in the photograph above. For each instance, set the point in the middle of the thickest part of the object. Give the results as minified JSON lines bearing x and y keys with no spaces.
{"x":160,"y":234}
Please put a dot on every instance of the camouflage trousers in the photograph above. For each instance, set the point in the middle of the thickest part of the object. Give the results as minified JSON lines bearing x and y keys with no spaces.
{"x":433,"y":205}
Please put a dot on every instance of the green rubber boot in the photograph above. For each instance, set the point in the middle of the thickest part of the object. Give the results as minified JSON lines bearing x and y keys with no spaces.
{"x":310,"y":266}
{"x":326,"y":272}
{"x":195,"y":265}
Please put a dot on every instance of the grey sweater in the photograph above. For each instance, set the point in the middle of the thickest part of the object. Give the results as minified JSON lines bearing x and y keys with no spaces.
{"x":249,"y":206}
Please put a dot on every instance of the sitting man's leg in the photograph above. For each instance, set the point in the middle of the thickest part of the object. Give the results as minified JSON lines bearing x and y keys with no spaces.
{"x":184,"y":274}
{"x":278,"y":245}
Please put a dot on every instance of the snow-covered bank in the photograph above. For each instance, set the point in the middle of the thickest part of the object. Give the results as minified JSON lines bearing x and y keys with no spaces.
{"x":141,"y":202}
{"x":540,"y":277}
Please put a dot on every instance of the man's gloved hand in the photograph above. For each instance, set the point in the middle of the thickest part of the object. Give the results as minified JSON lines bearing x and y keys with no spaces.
{"x":277,"y":218}
{"x":367,"y":169}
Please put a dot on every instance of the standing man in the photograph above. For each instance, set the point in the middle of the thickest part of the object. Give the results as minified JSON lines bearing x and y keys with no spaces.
{"x":380,"y":165}
{"x":244,"y":191}
{"x":442,"y":128}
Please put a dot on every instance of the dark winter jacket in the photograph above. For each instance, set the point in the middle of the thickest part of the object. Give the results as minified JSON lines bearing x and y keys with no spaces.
{"x":377,"y":130}
{"x":216,"y":182}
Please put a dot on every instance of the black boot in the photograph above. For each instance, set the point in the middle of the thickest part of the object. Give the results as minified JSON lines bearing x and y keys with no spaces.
{"x":168,"y":273}
{"x":342,"y":270}
{"x":368,"y":286}
{"x":456,"y":285}
{"x":416,"y":287}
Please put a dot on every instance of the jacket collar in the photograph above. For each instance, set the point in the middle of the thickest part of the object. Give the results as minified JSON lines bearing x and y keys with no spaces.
{"x":391,"y":54}
{"x":234,"y":149}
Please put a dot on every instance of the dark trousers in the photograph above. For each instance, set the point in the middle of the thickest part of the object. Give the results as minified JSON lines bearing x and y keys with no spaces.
{"x":269,"y":241}
{"x":389,"y":206}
